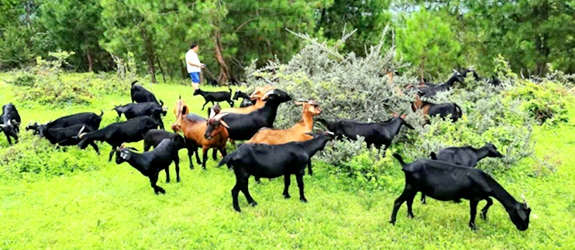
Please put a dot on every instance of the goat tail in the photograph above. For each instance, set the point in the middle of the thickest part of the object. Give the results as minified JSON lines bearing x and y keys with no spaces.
{"x":230,"y":89}
{"x":226,"y":160}
{"x":398,"y":157}
{"x":433,"y":156}
{"x":102,"y":113}
{"x":458,"y":110}
{"x":134,"y":82}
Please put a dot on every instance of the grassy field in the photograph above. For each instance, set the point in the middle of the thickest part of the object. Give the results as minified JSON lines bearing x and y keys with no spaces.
{"x":113,"y":206}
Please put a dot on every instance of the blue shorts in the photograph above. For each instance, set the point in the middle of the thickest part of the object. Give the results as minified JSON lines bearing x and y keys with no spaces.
{"x":195,"y":77}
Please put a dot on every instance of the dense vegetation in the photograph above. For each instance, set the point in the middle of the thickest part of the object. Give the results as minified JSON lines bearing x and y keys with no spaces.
{"x":434,"y":36}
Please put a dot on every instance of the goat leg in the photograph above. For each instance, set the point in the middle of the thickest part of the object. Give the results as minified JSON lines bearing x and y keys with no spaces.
{"x":399,"y":201}
{"x":483,"y":214}
{"x":190,"y":153}
{"x":153,"y":181}
{"x":257,"y":179}
{"x":287,"y":180}
{"x":197,"y":156}
{"x":215,"y":153}
{"x":235,"y":192}
{"x":111,"y":153}
{"x":204,"y":105}
{"x":423,"y":198}
{"x":177,"y":163}
{"x":204,"y":156}
{"x":299,"y":178}
{"x":93,"y":144}
{"x":472,"y":213}
{"x":246,"y":192}
{"x":167,"y":169}
{"x":309,"y":168}
{"x":409,"y":202}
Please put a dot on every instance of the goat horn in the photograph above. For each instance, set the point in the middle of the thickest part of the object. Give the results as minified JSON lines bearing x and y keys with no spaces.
{"x":3,"y":125}
{"x":82,"y":129}
{"x":524,"y":200}
{"x":219,"y":116}
{"x":118,"y":149}
{"x":224,"y":124}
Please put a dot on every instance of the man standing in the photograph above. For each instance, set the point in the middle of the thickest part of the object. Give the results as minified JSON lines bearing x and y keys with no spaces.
{"x":194,"y":65}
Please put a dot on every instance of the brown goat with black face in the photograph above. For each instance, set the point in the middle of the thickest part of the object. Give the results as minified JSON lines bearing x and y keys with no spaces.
{"x":194,"y":129}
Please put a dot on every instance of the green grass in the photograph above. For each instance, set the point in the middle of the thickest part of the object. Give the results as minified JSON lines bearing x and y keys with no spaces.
{"x":113,"y":206}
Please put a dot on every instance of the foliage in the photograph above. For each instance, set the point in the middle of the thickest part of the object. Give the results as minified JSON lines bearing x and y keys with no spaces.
{"x":37,"y":159}
{"x":45,"y":83}
{"x":14,"y":51}
{"x":427,"y":41}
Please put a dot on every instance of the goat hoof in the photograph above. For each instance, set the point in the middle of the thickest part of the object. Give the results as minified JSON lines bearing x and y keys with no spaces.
{"x":411,"y":216}
{"x":303,"y":199}
{"x":483,"y":216}
{"x":178,"y":179}
{"x":392,"y":222}
{"x":253,"y":203}
{"x":237,"y":209}
{"x":287,"y":196}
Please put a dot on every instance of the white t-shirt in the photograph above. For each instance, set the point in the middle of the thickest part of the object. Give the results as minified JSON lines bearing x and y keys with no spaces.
{"x":192,"y":57}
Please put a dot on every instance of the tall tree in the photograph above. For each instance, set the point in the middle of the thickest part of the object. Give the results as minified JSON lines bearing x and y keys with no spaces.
{"x":428,"y":42}
{"x":74,"y":26}
{"x":529,"y":33}
{"x":369,"y":17}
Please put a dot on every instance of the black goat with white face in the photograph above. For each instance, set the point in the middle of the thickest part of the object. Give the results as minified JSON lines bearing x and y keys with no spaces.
{"x":151,"y":163}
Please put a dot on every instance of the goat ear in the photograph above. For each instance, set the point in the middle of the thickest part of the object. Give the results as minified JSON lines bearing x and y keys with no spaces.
{"x":525,"y":201}
{"x":123,"y":145}
{"x":298,"y":103}
{"x":212,"y":113}
{"x":403,"y":116}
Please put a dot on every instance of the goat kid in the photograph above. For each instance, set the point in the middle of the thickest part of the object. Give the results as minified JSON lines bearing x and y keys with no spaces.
{"x":212,"y":97}
{"x":447,"y":182}
{"x":151,"y":163}
{"x":245,"y":101}
{"x":10,"y":122}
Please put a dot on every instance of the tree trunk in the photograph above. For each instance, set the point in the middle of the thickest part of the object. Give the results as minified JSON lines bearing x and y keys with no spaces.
{"x":161,"y":70}
{"x":224,"y":71}
{"x":184,"y":70}
{"x":149,"y":53}
{"x":90,"y":62}
{"x":422,"y":69}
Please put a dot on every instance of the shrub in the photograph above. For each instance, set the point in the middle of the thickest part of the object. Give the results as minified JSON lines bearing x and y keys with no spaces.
{"x":37,"y":158}
{"x":45,"y":83}
{"x":347,"y":86}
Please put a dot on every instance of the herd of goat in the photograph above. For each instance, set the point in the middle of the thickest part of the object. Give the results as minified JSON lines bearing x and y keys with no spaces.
{"x":449,"y":175}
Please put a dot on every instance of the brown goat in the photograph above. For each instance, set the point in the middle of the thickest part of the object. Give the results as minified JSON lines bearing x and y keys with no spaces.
{"x":194,"y":128}
{"x":256,"y":95}
{"x":297,"y":133}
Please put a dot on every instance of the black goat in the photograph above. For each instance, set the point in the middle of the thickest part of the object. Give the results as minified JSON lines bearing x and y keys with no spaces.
{"x":271,"y":161}
{"x":244,"y":126}
{"x":117,"y":133}
{"x":448,"y":182}
{"x":90,"y":119}
{"x":377,"y":134}
{"x":151,"y":163}
{"x":211,"y":81}
{"x":245,"y":101}
{"x":151,"y":109}
{"x":155,"y":136}
{"x":212,"y":97}
{"x":10,"y":122}
{"x":141,"y":94}
{"x":68,"y":136}
{"x":431,"y":90}
{"x":442,"y":109}
{"x":464,"y":156}
{"x":493,"y":81}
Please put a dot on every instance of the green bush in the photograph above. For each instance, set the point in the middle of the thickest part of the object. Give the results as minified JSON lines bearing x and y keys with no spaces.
{"x":37,"y":158}
{"x":545,"y":102}
{"x":46,"y":83}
